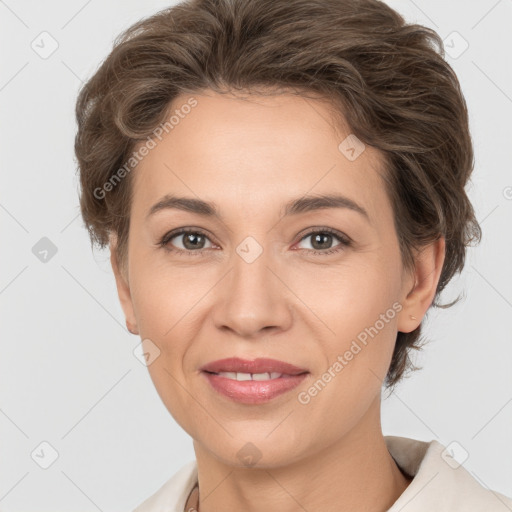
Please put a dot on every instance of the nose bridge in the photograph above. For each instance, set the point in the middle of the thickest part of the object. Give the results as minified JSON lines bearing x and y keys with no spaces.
{"x":253,"y":298}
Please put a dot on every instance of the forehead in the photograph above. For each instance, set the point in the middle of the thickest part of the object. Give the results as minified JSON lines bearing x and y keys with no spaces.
{"x":245,"y":153}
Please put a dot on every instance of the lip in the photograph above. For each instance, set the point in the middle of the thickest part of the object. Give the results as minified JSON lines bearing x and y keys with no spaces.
{"x":259,"y":365}
{"x":253,"y":391}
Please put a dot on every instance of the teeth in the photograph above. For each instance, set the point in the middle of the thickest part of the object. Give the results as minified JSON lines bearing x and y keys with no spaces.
{"x":250,"y":376}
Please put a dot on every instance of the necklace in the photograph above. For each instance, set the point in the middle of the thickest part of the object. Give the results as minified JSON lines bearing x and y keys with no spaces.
{"x":192,"y":504}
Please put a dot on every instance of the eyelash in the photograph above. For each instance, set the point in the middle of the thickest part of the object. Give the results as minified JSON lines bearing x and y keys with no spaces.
{"x":343,"y":239}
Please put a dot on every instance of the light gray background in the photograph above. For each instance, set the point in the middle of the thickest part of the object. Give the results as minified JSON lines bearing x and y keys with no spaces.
{"x":68,"y":374}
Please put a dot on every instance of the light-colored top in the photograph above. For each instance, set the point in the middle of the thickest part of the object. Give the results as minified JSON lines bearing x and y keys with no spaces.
{"x":439,"y":483}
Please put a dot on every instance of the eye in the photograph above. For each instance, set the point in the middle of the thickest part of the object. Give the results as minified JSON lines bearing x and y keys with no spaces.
{"x":187,"y":241}
{"x":322,"y":240}
{"x":193,"y":242}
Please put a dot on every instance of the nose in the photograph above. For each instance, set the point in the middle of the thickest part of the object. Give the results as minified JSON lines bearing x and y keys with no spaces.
{"x":253,"y":298}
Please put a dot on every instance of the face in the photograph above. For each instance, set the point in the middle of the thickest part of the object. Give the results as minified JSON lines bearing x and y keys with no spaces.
{"x":261,"y":278}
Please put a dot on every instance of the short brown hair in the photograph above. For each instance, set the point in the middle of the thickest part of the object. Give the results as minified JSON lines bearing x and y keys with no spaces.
{"x":387,"y":80}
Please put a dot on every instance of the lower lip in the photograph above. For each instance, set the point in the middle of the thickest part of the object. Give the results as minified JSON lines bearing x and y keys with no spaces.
{"x":254,"y":391}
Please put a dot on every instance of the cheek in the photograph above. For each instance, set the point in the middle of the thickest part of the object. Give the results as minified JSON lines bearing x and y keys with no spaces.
{"x":357,"y":353}
{"x":356,"y":307}
{"x":347,"y":296}
{"x":163,"y":303}
{"x":163,"y":296}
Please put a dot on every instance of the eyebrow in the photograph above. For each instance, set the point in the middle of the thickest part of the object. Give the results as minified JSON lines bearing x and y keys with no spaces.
{"x":292,"y":207}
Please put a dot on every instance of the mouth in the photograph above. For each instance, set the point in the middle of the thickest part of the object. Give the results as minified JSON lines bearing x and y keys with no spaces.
{"x":252,"y":382}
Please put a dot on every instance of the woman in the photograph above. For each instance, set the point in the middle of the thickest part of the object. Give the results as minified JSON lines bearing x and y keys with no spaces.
{"x":281,"y":185}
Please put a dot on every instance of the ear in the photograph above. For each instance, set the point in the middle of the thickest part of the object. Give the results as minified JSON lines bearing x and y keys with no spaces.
{"x":123,"y":288}
{"x":419,"y":288}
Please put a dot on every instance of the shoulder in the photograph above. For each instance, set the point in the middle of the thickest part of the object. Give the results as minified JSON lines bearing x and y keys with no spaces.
{"x":439,"y":482}
{"x":172,"y":496}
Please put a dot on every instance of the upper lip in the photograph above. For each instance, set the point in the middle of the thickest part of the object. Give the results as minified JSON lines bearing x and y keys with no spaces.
{"x":259,"y":365}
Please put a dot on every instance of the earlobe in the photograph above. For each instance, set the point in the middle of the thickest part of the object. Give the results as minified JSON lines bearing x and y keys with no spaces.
{"x":132,"y":329}
{"x":123,"y":289}
{"x":428,"y":266}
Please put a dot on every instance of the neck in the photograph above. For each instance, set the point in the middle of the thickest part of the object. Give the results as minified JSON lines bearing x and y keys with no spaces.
{"x":355,"y":473}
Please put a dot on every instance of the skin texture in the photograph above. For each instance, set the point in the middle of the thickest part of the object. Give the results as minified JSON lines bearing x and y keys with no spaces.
{"x":250,"y":156}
